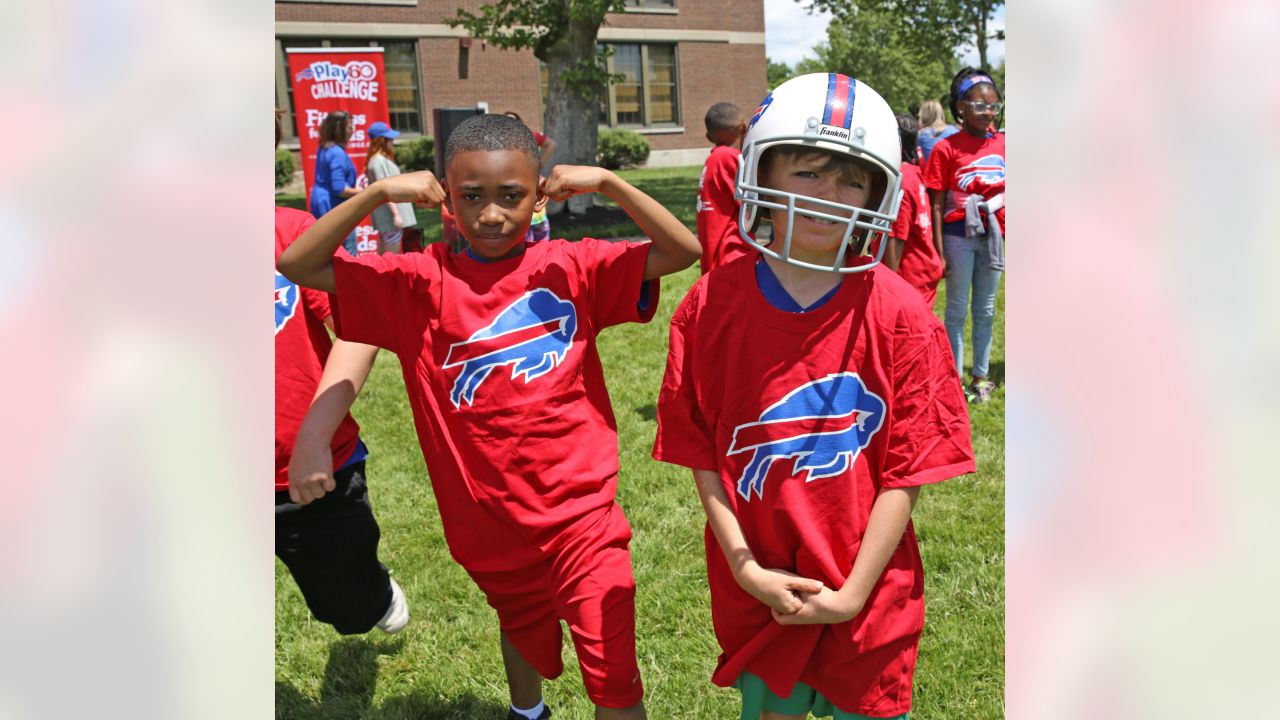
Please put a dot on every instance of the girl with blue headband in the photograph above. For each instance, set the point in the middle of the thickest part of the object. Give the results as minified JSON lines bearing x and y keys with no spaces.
{"x":965,"y":176}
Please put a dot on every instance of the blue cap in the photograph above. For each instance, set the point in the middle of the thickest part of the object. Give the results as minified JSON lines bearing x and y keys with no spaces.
{"x":381,"y":129}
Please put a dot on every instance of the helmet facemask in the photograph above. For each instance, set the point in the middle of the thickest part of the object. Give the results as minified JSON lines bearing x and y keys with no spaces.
{"x":862,"y":226}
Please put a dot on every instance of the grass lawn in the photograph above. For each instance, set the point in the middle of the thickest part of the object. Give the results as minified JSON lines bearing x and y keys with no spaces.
{"x":446,"y":664}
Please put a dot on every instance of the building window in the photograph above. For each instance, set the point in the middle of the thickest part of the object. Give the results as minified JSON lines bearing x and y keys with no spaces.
{"x":651,"y":3}
{"x":400,"y":62}
{"x":647,"y":96}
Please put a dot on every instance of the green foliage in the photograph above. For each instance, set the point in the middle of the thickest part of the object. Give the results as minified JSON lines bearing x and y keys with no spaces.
{"x":873,"y":46}
{"x":621,"y":148}
{"x":997,"y":74}
{"x":936,"y":27}
{"x":416,"y":154}
{"x":542,"y":25}
{"x":285,"y":167}
{"x":778,"y":73}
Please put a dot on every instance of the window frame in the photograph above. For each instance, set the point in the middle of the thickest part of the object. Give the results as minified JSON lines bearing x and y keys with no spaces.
{"x":646,"y":86}
{"x":651,"y":6}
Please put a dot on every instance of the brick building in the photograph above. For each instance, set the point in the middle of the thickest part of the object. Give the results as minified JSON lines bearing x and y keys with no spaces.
{"x":679,"y":56}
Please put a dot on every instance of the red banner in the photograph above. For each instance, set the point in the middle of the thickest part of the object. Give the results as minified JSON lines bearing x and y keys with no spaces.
{"x":329,"y":79}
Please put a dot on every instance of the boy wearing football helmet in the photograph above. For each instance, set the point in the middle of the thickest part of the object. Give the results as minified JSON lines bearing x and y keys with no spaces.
{"x":808,"y":479}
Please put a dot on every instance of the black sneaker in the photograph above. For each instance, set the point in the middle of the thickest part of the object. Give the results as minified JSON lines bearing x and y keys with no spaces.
{"x":513,"y":715}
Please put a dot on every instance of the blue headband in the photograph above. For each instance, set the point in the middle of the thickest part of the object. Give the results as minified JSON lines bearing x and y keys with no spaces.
{"x":969,"y":82}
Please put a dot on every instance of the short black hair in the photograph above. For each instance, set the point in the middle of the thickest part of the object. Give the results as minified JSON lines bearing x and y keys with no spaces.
{"x":960,"y":78}
{"x":491,"y":133}
{"x":908,"y":130}
{"x":723,"y":116}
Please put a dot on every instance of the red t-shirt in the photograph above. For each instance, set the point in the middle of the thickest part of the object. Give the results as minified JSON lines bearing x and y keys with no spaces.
{"x":963,"y":165}
{"x":508,"y":395}
{"x":718,"y":211}
{"x":920,"y":265}
{"x":302,"y":347}
{"x":806,"y":417}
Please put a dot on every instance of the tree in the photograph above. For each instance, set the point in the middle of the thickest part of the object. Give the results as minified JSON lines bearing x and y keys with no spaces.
{"x":941,"y":26}
{"x":778,"y":73}
{"x":870,"y":44}
{"x":562,"y":33}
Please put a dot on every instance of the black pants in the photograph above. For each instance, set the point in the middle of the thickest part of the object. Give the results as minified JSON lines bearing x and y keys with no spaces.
{"x":331,"y":548}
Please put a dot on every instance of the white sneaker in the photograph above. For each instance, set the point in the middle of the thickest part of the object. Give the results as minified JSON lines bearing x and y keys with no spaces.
{"x":397,"y":614}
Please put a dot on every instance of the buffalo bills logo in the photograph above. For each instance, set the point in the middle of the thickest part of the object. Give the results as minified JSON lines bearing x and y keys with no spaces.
{"x":286,"y":301}
{"x":822,"y":424}
{"x":985,"y":172}
{"x":532,"y":335}
{"x":768,"y":100}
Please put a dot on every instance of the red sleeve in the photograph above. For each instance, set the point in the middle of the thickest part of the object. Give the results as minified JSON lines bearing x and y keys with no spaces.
{"x":317,"y":302}
{"x":616,"y":284}
{"x":538,"y":137}
{"x":938,"y":170}
{"x":378,"y":298}
{"x":929,"y":421}
{"x":684,"y":436}
{"x":906,"y":214}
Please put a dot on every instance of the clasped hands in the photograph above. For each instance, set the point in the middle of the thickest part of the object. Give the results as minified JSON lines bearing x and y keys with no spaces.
{"x":795,"y":600}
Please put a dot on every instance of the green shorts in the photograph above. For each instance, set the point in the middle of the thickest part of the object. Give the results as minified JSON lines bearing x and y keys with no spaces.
{"x":757,"y":697}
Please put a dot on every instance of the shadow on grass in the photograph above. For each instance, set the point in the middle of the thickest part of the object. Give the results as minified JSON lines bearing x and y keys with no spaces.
{"x":648,"y":412}
{"x":418,"y":705}
{"x":350,"y":678}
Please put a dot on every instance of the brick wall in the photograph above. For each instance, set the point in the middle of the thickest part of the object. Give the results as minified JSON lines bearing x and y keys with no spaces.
{"x":709,"y":72}
{"x":735,"y":15}
{"x":506,"y":79}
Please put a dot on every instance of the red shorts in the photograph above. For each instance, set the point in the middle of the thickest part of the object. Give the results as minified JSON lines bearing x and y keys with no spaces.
{"x":587,"y":582}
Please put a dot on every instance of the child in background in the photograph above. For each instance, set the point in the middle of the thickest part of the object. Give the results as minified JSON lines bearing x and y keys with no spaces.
{"x":933,"y":127}
{"x":717,"y":208}
{"x":326,"y":534}
{"x":540,"y":225}
{"x":913,"y":252}
{"x":498,"y":350}
{"x":966,"y":179}
{"x":812,"y":394}
{"x":389,"y":220}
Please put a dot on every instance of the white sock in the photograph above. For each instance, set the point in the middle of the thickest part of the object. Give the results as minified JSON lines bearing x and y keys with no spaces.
{"x":532,"y":713}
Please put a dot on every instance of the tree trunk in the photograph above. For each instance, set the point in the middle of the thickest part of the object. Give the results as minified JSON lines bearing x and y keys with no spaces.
{"x":571,"y":120}
{"x":983,"y":10}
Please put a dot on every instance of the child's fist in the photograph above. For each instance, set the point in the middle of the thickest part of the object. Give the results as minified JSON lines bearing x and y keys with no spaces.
{"x":421,"y":188}
{"x":567,"y":180}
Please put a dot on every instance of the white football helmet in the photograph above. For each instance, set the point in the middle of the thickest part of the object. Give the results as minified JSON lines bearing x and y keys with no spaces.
{"x":826,"y":111}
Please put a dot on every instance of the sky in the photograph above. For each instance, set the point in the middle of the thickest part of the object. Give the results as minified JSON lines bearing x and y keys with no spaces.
{"x":791,"y":33}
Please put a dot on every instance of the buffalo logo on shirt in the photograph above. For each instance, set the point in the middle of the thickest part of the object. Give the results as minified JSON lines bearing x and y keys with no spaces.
{"x":822,"y":424}
{"x":985,"y":172}
{"x":286,"y":301}
{"x":532,"y":335}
